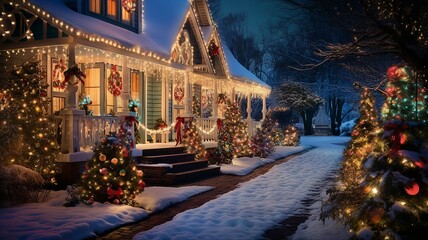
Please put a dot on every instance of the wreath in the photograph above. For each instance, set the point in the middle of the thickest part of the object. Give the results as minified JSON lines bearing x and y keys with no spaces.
{"x":73,"y":71}
{"x":129,"y":5}
{"x":160,"y":124}
{"x":178,"y":93}
{"x":214,"y":49}
{"x":58,"y":75}
{"x":115,"y":83}
{"x":222,"y":98}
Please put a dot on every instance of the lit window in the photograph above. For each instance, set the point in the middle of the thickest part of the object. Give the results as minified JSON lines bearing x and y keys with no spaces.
{"x":95,"y":6}
{"x":112,"y":9}
{"x":126,"y":16}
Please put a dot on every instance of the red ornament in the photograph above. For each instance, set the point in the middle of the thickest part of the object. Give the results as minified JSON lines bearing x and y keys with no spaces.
{"x":114,"y":161}
{"x":413,"y":190}
{"x":104,"y":171}
{"x":391,"y":73}
{"x":116,"y":201}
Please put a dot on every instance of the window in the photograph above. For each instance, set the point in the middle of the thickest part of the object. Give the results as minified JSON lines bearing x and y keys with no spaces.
{"x":112,"y":9}
{"x":95,"y":6}
{"x":56,"y":77}
{"x":58,"y":103}
{"x":126,"y":16}
{"x":92,"y":88}
{"x":135,"y":85}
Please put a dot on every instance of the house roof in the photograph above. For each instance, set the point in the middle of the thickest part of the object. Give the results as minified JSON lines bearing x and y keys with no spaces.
{"x":239,"y":72}
{"x":163,"y":22}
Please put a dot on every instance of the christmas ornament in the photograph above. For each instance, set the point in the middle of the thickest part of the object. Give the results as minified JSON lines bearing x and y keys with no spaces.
{"x":374,"y":215}
{"x":412,"y":190}
{"x":114,"y":161}
{"x":141,"y":184}
{"x":140,"y":173}
{"x":122,"y":172}
{"x":115,"y":83}
{"x":102,"y":157}
{"x":104,"y":171}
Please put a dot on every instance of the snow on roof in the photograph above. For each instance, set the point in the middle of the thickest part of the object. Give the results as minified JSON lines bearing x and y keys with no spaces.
{"x":237,"y":71}
{"x":163,"y":21}
{"x":207,"y":31}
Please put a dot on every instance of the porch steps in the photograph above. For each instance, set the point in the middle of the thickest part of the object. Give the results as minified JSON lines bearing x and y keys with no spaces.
{"x":170,"y":166}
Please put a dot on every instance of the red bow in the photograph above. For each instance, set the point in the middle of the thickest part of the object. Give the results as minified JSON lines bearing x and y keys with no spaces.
{"x":74,"y":71}
{"x":180,"y":120}
{"x":397,"y":136}
{"x":114,"y":193}
{"x":219,"y":124}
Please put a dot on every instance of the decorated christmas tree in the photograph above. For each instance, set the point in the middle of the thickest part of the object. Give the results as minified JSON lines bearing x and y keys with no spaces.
{"x":32,"y":142}
{"x":111,"y":174}
{"x":291,"y":136}
{"x":366,"y":140}
{"x":192,"y":141}
{"x":196,"y":107}
{"x":233,"y":137}
{"x":394,"y":188}
{"x":266,"y":137}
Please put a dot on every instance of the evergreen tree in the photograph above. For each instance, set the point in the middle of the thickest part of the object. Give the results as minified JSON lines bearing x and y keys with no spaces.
{"x":25,"y":120}
{"x":192,"y":141}
{"x":233,"y":138}
{"x":111,"y":174}
{"x":366,"y":140}
{"x":394,"y":188}
{"x":291,"y":136}
{"x":266,"y":138}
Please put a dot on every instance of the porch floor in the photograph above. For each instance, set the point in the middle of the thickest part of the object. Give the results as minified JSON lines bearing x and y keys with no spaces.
{"x":145,"y":146}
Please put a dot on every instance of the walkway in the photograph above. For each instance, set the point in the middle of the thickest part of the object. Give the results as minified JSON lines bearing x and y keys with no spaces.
{"x":222,"y":184}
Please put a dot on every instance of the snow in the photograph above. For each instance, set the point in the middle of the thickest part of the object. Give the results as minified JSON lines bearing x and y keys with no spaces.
{"x":50,"y":220}
{"x":346,"y":127}
{"x":244,"y":213}
{"x":239,"y":72}
{"x":244,"y":165}
{"x":162,"y":20}
{"x":259,"y":204}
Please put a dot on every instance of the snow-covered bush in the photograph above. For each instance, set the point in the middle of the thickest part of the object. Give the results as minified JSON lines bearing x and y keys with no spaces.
{"x":19,"y":184}
{"x":346,"y":127}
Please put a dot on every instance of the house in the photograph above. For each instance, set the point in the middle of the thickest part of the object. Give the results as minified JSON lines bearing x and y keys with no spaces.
{"x":166,"y":53}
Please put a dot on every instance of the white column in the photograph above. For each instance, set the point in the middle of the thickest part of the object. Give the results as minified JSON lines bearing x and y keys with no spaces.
{"x":126,"y":90}
{"x":71,"y":91}
{"x":249,"y":119}
{"x":145,"y":84}
{"x":264,"y":111}
{"x":187,"y":96}
{"x":215,"y":99}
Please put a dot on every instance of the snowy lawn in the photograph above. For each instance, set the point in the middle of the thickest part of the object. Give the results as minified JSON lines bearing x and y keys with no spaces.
{"x":50,"y":220}
{"x":257,"y":205}
{"x":245,"y":165}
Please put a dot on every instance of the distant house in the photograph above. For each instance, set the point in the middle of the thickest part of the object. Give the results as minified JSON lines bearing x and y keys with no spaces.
{"x":168,"y":53}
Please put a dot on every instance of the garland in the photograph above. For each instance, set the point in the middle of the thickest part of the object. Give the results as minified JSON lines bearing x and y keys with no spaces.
{"x":115,"y":83}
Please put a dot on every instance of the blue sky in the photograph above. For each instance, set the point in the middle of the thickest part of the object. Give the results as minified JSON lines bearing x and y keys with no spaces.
{"x":258,"y":12}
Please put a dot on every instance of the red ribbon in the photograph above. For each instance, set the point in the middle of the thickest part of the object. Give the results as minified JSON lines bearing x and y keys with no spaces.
{"x":219,"y":124}
{"x":180,"y":120}
{"x":129,"y":120}
{"x":397,"y":136}
{"x":114,"y":193}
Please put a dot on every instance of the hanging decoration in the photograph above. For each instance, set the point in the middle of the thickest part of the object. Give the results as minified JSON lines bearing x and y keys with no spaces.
{"x":179,"y":121}
{"x":221,"y":98}
{"x":129,"y":5}
{"x":160,"y":124}
{"x":115,"y":82}
{"x":74,"y":71}
{"x":213,"y":49}
{"x":179,"y":92}
{"x":58,"y":75}
{"x":133,"y":105}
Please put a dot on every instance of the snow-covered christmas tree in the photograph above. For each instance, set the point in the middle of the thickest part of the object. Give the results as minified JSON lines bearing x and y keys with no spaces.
{"x":192,"y":141}
{"x":27,"y":129}
{"x":111,"y":174}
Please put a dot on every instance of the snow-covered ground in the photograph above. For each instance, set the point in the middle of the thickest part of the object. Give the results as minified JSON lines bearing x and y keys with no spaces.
{"x":244,"y":213}
{"x":50,"y":220}
{"x":257,"y":205}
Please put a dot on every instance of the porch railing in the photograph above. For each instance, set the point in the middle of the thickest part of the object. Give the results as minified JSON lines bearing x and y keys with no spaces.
{"x":92,"y":128}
